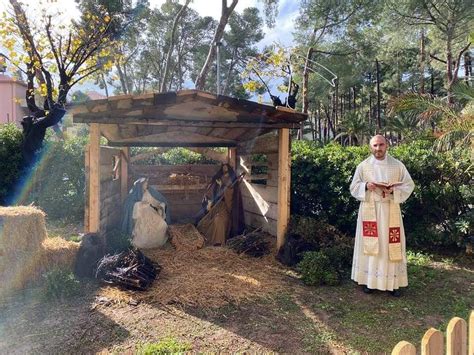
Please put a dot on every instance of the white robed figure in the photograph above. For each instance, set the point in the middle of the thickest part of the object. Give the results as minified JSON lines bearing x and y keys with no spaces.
{"x":381,"y":183}
{"x":145,"y":216}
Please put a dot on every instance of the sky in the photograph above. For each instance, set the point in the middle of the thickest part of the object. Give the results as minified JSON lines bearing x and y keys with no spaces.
{"x":281,"y":33}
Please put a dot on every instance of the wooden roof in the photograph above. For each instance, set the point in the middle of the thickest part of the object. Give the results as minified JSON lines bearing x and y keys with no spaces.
{"x":187,"y":118}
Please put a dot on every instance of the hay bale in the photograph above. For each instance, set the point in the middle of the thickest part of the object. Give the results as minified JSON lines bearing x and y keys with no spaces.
{"x":21,"y":228}
{"x":185,"y":237}
{"x":58,"y":252}
{"x":25,"y":251}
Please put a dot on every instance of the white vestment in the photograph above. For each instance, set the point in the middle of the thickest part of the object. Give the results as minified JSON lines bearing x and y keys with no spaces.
{"x":377,"y":271}
{"x":150,"y":226}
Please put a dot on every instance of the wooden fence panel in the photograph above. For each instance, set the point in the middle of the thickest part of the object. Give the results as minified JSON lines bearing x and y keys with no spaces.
{"x":404,"y":348}
{"x":456,"y":337}
{"x":432,"y":343}
{"x":471,"y":333}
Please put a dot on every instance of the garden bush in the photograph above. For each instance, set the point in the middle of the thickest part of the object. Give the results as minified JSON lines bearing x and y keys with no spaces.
{"x":328,"y":266}
{"x":58,"y":186}
{"x":439,"y":213}
{"x":10,"y":159}
{"x":60,"y":284}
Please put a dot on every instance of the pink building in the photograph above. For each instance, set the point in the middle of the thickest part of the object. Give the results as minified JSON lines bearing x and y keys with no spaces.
{"x":12,"y":99}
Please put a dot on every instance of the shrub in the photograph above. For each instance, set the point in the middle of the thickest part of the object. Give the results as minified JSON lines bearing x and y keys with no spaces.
{"x":60,"y":284}
{"x":316,"y":269}
{"x":165,"y":346}
{"x":59,"y":179}
{"x":10,"y":159}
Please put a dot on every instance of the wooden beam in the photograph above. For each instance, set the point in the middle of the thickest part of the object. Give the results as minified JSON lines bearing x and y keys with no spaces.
{"x":124,"y":161}
{"x":169,"y":144}
{"x":232,"y":157}
{"x":284,"y":176}
{"x":87,"y":173}
{"x":94,"y":178}
{"x":179,"y":122}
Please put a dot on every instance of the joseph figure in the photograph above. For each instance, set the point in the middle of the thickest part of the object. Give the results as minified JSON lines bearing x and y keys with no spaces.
{"x":381,"y":183}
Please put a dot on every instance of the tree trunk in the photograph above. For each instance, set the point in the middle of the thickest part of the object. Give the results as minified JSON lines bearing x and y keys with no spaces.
{"x":309,"y":54}
{"x":226,"y":12}
{"x":422,"y":61}
{"x":467,"y":67}
{"x":449,"y":66}
{"x":379,"y":121}
{"x":354,"y":95}
{"x":172,"y":44}
{"x":123,"y":80}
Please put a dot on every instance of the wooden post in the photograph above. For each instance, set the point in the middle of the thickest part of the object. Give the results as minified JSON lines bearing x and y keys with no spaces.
{"x":471,"y":333}
{"x":232,"y":157}
{"x":456,"y":337}
{"x":125,"y":158}
{"x":284,"y":176}
{"x":94,"y":178}
{"x":87,"y":173}
{"x":432,"y":343}
{"x":404,"y":348}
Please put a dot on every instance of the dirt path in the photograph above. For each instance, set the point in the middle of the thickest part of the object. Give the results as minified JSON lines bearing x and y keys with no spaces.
{"x":81,"y":325}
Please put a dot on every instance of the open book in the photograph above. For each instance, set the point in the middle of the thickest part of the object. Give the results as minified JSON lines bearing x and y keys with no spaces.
{"x":387,"y":185}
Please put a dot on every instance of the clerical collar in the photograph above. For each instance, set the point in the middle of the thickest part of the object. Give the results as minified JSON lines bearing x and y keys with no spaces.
{"x":381,"y":162}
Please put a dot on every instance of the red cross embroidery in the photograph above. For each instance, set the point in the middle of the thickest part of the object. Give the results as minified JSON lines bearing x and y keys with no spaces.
{"x":394,"y":235}
{"x":369,"y":229}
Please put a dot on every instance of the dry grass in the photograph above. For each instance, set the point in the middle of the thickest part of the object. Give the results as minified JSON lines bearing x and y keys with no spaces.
{"x":209,"y":278}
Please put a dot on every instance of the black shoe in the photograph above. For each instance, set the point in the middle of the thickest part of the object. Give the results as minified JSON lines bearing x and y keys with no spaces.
{"x":396,"y":293}
{"x":367,"y":290}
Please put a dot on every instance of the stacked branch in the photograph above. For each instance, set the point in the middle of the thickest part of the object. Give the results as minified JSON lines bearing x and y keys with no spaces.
{"x":129,"y":269}
{"x":252,"y":243}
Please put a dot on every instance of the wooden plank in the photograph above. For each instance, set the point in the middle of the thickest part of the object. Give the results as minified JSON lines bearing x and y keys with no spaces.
{"x":264,"y":192}
{"x":456,"y":337}
{"x":471,"y":333}
{"x":284,"y":176}
{"x":138,"y":143}
{"x":94,"y":178}
{"x":124,"y":160}
{"x":173,"y":121}
{"x":87,"y":183}
{"x":404,"y":348}
{"x":232,"y":157}
{"x":180,"y":187}
{"x":269,"y":210}
{"x":265,"y":144}
{"x":432,"y":342}
{"x":256,"y":221}
{"x":177,"y":137}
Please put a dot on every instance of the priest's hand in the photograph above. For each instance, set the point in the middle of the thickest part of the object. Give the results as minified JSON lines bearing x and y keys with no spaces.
{"x":370,"y":186}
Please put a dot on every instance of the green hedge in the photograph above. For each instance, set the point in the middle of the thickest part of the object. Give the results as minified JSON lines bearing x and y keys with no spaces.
{"x":437,"y":214}
{"x":10,"y":159}
{"x":59,"y":180}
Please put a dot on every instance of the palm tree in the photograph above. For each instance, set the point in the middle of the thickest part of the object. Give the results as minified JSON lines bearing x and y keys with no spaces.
{"x":405,"y":124}
{"x":353,"y":129}
{"x":456,"y":122}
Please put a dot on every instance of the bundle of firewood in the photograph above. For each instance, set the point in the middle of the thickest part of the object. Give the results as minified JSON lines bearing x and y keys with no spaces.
{"x":252,"y":243}
{"x":129,"y":269}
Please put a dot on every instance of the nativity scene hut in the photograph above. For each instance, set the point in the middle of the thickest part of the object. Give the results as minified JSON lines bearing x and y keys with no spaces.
{"x":256,"y":138}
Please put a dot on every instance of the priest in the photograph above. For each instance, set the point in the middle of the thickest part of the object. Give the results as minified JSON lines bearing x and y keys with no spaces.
{"x":381,"y":183}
